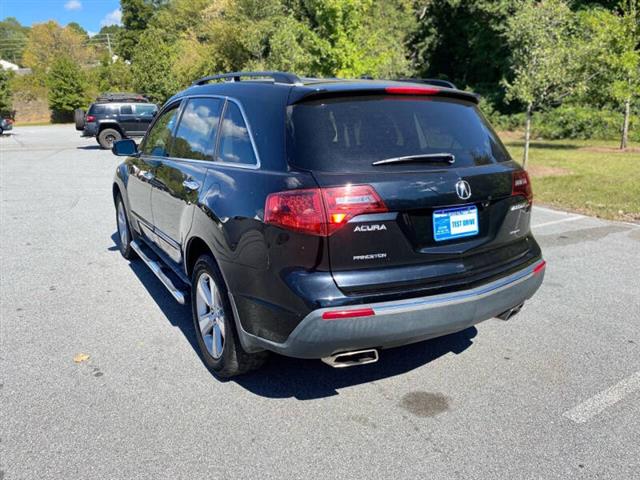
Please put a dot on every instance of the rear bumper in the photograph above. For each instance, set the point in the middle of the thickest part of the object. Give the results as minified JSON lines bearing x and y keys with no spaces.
{"x":403,"y":322}
{"x":90,"y":130}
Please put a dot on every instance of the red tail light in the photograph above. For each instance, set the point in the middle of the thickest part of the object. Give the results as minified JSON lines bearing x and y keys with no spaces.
{"x":9,"y":121}
{"x":412,"y":90}
{"x":522,"y":185}
{"x":539,"y":268}
{"x":298,"y":210}
{"x":321,"y":211}
{"x":344,"y":203}
{"x":91,"y":118}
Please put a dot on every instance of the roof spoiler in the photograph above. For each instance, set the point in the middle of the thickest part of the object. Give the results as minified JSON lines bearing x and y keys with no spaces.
{"x":390,"y":89}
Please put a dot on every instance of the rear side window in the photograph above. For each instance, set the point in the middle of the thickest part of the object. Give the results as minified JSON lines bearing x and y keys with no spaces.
{"x":159,"y":137}
{"x":235,"y":142}
{"x":146,"y":110}
{"x":349,"y":134}
{"x":96,"y":110}
{"x":197,"y":130}
{"x":126,"y":110}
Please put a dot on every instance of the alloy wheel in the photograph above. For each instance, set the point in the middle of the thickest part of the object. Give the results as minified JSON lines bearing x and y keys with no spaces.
{"x":123,"y":229}
{"x":211,"y":320}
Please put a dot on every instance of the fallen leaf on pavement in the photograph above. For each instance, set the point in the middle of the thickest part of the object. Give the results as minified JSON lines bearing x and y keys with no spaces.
{"x":81,"y":357}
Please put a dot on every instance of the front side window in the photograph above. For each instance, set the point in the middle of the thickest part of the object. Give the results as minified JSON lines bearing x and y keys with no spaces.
{"x":197,"y":130}
{"x":235,"y":142}
{"x":159,"y":138}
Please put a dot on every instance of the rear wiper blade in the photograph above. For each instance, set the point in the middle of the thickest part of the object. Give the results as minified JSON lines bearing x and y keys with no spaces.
{"x":427,"y":157}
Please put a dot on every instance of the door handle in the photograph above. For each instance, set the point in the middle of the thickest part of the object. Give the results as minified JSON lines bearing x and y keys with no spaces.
{"x":147,"y":175}
{"x":191,"y":185}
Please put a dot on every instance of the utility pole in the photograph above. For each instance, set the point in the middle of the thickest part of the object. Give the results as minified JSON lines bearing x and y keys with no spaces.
{"x":109,"y":45}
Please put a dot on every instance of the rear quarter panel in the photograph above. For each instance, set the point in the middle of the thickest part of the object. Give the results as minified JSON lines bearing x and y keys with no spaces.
{"x":257,"y":261}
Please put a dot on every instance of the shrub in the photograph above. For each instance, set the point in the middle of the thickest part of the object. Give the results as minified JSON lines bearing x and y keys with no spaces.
{"x":5,"y":92}
{"x":567,"y":122}
{"x":582,"y":123}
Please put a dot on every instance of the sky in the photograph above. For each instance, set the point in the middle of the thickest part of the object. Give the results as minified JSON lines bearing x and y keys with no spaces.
{"x":90,"y":14}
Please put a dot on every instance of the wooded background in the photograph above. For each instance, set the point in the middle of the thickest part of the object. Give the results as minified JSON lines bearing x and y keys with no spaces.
{"x":572,"y":67}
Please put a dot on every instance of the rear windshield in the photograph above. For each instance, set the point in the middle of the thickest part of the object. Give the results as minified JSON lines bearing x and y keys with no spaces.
{"x":349,"y":134}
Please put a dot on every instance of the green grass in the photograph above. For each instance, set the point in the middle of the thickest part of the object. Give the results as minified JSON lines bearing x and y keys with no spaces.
{"x":586,"y":176}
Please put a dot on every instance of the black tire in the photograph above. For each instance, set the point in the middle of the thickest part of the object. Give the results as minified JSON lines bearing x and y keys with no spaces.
{"x":78,"y":117}
{"x":233,"y":360}
{"x":124,"y":237}
{"x":107,"y":137}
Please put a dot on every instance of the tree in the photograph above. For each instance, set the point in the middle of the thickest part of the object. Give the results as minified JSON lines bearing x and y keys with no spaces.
{"x":547,"y":60}
{"x":152,"y":67}
{"x":347,"y":38}
{"x":5,"y":92}
{"x":67,"y":88}
{"x":463,"y":41}
{"x":362,"y":37}
{"x":13,"y":38}
{"x":136,"y":15}
{"x":618,"y":37}
{"x":76,"y":27}
{"x":114,"y":76}
{"x":48,"y":42}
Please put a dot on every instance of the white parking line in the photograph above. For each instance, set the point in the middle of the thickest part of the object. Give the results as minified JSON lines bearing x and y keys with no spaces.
{"x":562,"y":220}
{"x":596,"y":404}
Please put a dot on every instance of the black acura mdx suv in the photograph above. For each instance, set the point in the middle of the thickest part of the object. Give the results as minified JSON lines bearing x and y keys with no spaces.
{"x":326,"y":218}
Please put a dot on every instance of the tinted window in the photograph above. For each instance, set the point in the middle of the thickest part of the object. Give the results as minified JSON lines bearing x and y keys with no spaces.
{"x":349,"y":134}
{"x":196,"y":134}
{"x":96,"y":110}
{"x":146,"y":110}
{"x":159,"y":138}
{"x":235,"y":143}
{"x":126,"y":110}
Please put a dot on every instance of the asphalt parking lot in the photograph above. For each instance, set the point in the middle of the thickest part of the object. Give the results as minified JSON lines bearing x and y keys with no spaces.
{"x":553,"y":393}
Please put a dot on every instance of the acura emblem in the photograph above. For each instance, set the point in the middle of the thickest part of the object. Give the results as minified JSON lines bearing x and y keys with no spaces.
{"x":463,"y":189}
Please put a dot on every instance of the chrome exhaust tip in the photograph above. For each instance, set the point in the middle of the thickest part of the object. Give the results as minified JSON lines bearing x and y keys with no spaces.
{"x":510,"y":313}
{"x":351,"y":359}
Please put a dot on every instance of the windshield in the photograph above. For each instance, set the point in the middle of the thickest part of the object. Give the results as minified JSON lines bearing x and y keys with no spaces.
{"x":349,"y":134}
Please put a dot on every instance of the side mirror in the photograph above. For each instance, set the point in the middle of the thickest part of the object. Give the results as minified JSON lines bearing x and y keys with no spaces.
{"x":125,"y":148}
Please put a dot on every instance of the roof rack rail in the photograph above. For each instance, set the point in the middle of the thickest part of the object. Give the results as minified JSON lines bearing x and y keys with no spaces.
{"x":121,"y":97}
{"x":430,"y":81}
{"x":278,"y":77}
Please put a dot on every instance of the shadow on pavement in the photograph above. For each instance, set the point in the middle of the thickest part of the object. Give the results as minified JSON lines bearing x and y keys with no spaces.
{"x":89,"y":147}
{"x":284,"y":377}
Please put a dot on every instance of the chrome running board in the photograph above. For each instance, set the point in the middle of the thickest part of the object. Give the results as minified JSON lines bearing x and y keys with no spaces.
{"x":156,"y":268}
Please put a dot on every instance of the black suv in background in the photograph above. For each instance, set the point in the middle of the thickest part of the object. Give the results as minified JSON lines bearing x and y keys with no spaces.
{"x":326,"y":218}
{"x":114,"y":116}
